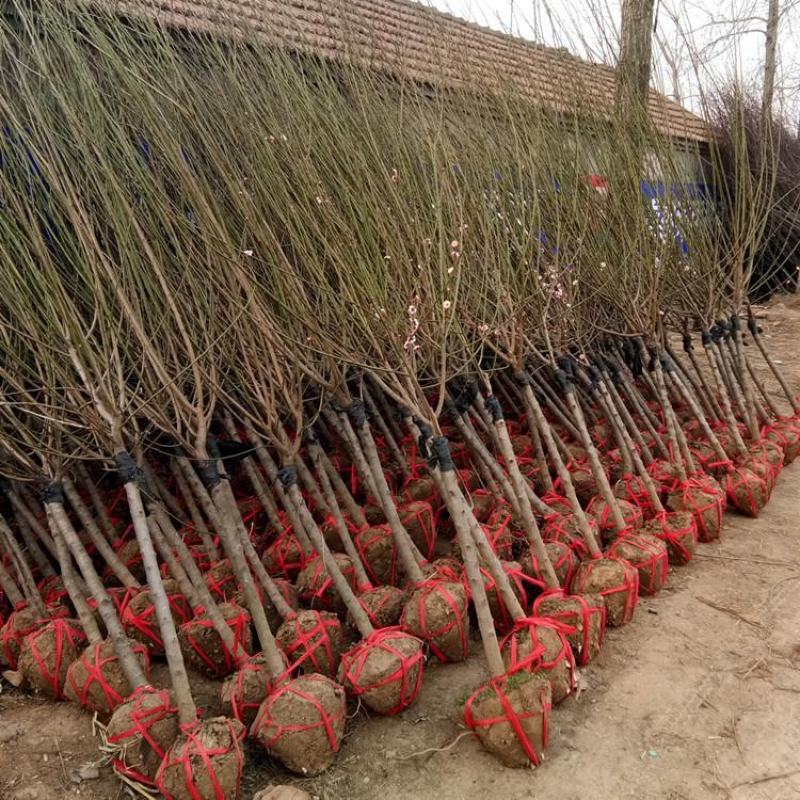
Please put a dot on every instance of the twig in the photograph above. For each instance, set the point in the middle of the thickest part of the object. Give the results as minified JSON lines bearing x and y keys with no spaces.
{"x":768,"y":561}
{"x":766,"y":779}
{"x":435,"y":749}
{"x":730,"y":612}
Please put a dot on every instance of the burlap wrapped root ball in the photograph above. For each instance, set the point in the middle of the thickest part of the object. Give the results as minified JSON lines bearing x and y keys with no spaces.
{"x":747,"y":491}
{"x":616,"y":581}
{"x":142,"y":729}
{"x":705,"y":502}
{"x":650,"y":557}
{"x":510,"y":716}
{"x":243,"y":692}
{"x":315,"y":585}
{"x":601,"y":511}
{"x":312,"y":641}
{"x":634,"y":490}
{"x":565,"y":528}
{"x":678,"y":531}
{"x":384,"y":670}
{"x":204,"y":650}
{"x":139,"y":616}
{"x":379,"y":553}
{"x":47,"y":653}
{"x":436,"y":612}
{"x":205,"y":762}
{"x":96,"y":680}
{"x":539,"y":645}
{"x":419,"y":520}
{"x":302,"y":723}
{"x":582,"y":619}
{"x":383,"y":605}
{"x":19,"y":624}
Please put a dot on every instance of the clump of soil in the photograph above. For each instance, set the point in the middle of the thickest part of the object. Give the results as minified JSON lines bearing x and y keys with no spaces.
{"x":632,"y":488}
{"x":613,"y":579}
{"x":384,"y":670}
{"x":518,"y":580}
{"x":422,"y":488}
{"x":510,"y":716}
{"x":143,"y":728}
{"x":565,"y":528}
{"x":678,"y":531}
{"x":96,"y":680}
{"x":539,"y":645}
{"x":312,"y":641}
{"x":563,"y":559}
{"x":483,"y":505}
{"x":289,"y":594}
{"x":650,"y":557}
{"x":131,"y":556}
{"x":46,"y":654}
{"x":302,"y":723}
{"x":584,"y":482}
{"x":582,"y":617}
{"x":202,"y":647}
{"x":436,"y":612}
{"x":418,"y":518}
{"x":19,"y":624}
{"x":747,"y":491}
{"x":141,"y":623}
{"x":705,"y":502}
{"x":499,"y":533}
{"x":243,"y":692}
{"x":383,"y":604}
{"x":666,"y":475}
{"x":285,"y":556}
{"x":221,"y":580}
{"x":448,"y":569}
{"x":600,"y":510}
{"x":315,"y":585}
{"x":379,"y":553}
{"x":205,"y":762}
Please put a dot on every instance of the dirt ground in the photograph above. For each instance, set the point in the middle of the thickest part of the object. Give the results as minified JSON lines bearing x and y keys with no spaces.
{"x":699,"y":697}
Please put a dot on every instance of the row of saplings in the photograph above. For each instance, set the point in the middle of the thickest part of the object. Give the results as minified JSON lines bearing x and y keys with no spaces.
{"x":368,"y":617}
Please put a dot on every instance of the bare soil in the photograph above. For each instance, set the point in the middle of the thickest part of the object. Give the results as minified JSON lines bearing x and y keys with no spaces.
{"x":698,"y":698}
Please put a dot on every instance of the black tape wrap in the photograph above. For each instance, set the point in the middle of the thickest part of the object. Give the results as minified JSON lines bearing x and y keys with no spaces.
{"x":357,"y":412}
{"x":213,"y":446}
{"x":523,"y":378}
{"x":705,"y":338}
{"x":452,"y":409}
{"x":440,"y":454}
{"x":595,"y":376}
{"x":465,"y":397}
{"x":735,"y":323}
{"x":287,"y":476}
{"x":130,"y":472}
{"x":425,"y":434}
{"x":667,"y":364}
{"x":402,"y":413}
{"x":337,"y":406}
{"x":208,"y":471}
{"x":52,"y":493}
{"x":687,"y":343}
{"x":752,"y":325}
{"x":493,"y":407}
{"x":173,"y":447}
{"x":5,"y":487}
{"x":563,"y":381}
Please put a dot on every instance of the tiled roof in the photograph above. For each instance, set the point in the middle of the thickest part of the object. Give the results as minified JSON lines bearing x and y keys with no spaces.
{"x":416,"y":41}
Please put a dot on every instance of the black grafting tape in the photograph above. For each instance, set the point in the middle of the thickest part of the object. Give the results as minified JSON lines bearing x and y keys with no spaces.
{"x":52,"y":493}
{"x":440,"y":454}
{"x":208,"y":471}
{"x":494,"y":408}
{"x":287,"y":476}
{"x":357,"y":412}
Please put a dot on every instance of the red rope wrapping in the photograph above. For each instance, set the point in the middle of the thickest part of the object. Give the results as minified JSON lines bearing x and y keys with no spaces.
{"x":373,"y":543}
{"x":67,"y":640}
{"x":601,"y":511}
{"x":129,"y":554}
{"x":221,"y":581}
{"x":787,"y":434}
{"x":502,"y":616}
{"x":666,"y":475}
{"x":448,"y":570}
{"x":406,"y":677}
{"x":52,"y":590}
{"x":456,"y":620}
{"x":316,"y":586}
{"x":141,"y":622}
{"x":21,"y":622}
{"x":238,"y":689}
{"x":238,"y":621}
{"x":648,"y":555}
{"x":419,"y":519}
{"x":285,"y":555}
{"x":312,"y":647}
{"x":120,"y":597}
{"x":386,"y":610}
{"x":632,"y":489}
{"x":678,"y":531}
{"x":706,"y":504}
{"x":747,"y":492}
{"x":582,"y":583}
{"x":557,"y":502}
{"x":767,"y":460}
{"x":485,"y":505}
{"x":268,"y":729}
{"x":576,"y":625}
{"x":93,"y":660}
{"x":523,"y":649}
{"x":563,"y":528}
{"x":563,"y":559}
{"x":516,"y":720}
{"x":193,"y":758}
{"x":498,"y":533}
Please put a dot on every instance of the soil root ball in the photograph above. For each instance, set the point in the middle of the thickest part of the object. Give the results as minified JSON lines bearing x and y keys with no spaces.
{"x":315,"y":585}
{"x":204,"y":650}
{"x":47,"y":653}
{"x":221,"y":581}
{"x":205,"y":762}
{"x":20,"y":623}
{"x":139,"y":616}
{"x":289,"y":595}
{"x":706,"y":501}
{"x":243,"y":692}
{"x":385,"y":670}
{"x":650,"y":557}
{"x":285,"y":556}
{"x":600,"y":510}
{"x":436,"y":612}
{"x":634,"y":490}
{"x":678,"y":531}
{"x":379,"y":554}
{"x":539,"y":645}
{"x":312,"y":641}
{"x":613,"y":579}
{"x":96,"y":680}
{"x":419,"y":519}
{"x":747,"y":491}
{"x":523,"y":585}
{"x":510,"y":715}
{"x":582,"y":617}
{"x":143,"y":728}
{"x":565,"y":528}
{"x":383,"y":604}
{"x":302,"y":723}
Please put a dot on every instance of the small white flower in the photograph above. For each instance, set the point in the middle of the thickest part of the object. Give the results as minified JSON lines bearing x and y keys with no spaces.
{"x":247,"y":252}
{"x":412,"y":311}
{"x":446,"y":305}
{"x":453,"y":244}
{"x":451,"y":270}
